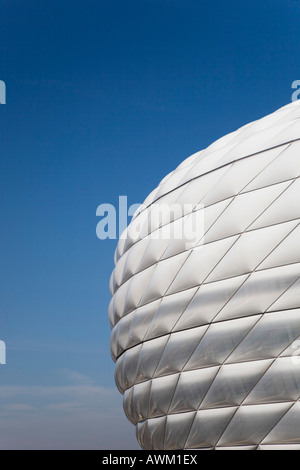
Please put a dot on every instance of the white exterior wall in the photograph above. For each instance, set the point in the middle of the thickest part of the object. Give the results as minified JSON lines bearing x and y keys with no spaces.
{"x":206,"y":333}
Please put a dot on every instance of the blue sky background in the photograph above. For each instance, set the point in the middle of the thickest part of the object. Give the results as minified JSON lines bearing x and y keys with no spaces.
{"x":104,"y":98}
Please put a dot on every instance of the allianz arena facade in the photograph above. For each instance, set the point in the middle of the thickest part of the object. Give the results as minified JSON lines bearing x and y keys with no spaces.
{"x":206,"y":332}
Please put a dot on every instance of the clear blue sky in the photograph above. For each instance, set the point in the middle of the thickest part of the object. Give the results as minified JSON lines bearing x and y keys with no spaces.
{"x":104,"y":98}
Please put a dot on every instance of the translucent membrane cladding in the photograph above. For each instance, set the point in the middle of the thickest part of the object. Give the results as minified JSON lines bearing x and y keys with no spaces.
{"x":205,"y":309}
